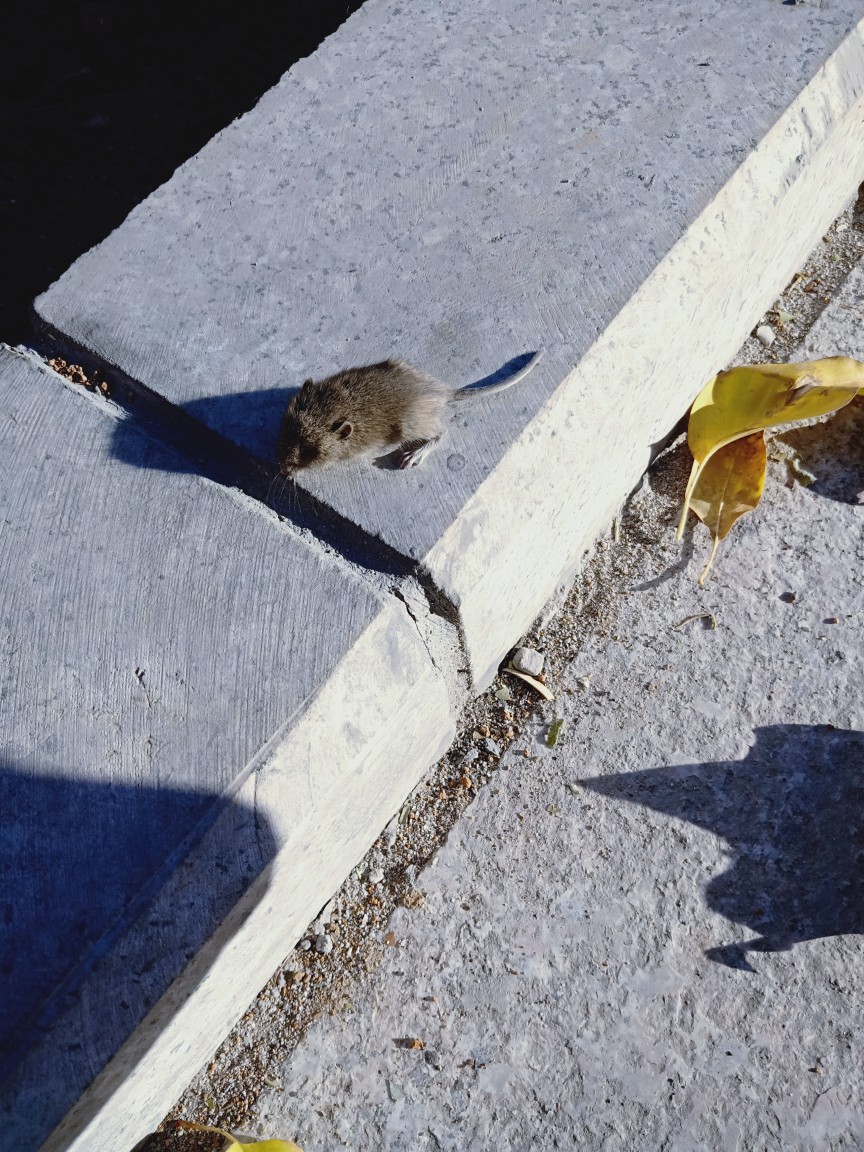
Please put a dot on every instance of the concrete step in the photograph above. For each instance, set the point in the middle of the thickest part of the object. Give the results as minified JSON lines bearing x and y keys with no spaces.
{"x":625,"y":187}
{"x":190,"y":763}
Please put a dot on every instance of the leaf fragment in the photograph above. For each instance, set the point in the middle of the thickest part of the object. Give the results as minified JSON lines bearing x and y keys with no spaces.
{"x":535,"y":684}
{"x":783,"y":317}
{"x":730,"y":484}
{"x":708,"y":617}
{"x":554,"y":731}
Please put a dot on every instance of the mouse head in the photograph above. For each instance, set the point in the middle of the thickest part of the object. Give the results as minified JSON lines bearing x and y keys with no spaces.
{"x":315,"y":430}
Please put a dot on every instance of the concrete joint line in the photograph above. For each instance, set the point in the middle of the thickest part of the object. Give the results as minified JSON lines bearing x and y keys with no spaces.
{"x":230,"y":466}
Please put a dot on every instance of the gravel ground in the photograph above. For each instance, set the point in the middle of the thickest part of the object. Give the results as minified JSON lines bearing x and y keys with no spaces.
{"x":629,"y":1019}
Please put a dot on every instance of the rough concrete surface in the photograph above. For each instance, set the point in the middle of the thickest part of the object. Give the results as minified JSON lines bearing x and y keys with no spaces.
{"x":452,"y":185}
{"x":459,"y":185}
{"x":186,"y":764}
{"x":308,"y":984}
{"x":648,"y":936}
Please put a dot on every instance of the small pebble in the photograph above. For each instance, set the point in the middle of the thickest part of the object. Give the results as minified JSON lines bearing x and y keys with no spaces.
{"x":305,"y":945}
{"x":323,"y":944}
{"x":492,"y":747}
{"x":376,"y":875}
{"x":528,"y":660}
{"x":765,"y":335}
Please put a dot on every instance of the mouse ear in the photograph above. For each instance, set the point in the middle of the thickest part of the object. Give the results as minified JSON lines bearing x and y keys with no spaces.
{"x":307,"y":384}
{"x":343,"y":429}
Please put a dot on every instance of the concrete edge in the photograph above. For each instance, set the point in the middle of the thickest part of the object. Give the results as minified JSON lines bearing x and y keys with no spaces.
{"x":377,"y":724}
{"x":325,"y":783}
{"x":681,"y":326}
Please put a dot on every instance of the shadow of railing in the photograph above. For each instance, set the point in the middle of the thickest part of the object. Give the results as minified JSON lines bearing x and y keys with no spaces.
{"x":793,"y":814}
{"x":83,"y":867}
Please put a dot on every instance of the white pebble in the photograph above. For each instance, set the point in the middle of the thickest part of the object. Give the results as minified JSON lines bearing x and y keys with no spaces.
{"x":528,"y":660}
{"x":391,"y":832}
{"x":765,"y":335}
{"x":305,"y":945}
{"x":376,"y":875}
{"x":323,"y":944}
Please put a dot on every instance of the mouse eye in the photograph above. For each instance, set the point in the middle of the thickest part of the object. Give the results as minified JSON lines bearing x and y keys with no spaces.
{"x":308,"y":454}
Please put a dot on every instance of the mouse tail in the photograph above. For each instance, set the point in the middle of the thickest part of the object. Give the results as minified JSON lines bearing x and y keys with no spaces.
{"x":482,"y":389}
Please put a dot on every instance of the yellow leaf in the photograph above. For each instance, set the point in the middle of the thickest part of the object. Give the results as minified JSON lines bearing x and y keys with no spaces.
{"x":266,"y":1146}
{"x":758,"y":396}
{"x":729,"y":485}
{"x":234,"y":1144}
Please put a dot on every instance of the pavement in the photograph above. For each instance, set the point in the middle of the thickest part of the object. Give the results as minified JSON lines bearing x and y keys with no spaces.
{"x":218,"y":690}
{"x":651,"y":934}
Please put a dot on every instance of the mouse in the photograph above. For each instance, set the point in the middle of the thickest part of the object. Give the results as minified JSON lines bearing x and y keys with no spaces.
{"x":375,"y":408}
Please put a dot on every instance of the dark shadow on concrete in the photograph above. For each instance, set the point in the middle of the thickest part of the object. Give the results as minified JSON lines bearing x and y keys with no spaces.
{"x":255,"y":416}
{"x":793,"y":814}
{"x":101,"y":100}
{"x":512,"y":366}
{"x":250,"y":419}
{"x":833,"y":453}
{"x":83,"y":864}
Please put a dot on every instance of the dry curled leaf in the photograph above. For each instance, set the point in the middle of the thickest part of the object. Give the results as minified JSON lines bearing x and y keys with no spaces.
{"x":754,"y":397}
{"x":727,"y":424}
{"x":535,"y":684}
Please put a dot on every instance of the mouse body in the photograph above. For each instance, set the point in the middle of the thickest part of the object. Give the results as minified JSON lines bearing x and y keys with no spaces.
{"x":375,"y":408}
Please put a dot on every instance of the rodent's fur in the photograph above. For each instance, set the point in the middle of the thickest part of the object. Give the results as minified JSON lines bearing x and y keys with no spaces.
{"x":371,"y":409}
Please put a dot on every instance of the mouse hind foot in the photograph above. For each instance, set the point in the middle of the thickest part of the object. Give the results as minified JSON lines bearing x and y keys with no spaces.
{"x":414,"y":452}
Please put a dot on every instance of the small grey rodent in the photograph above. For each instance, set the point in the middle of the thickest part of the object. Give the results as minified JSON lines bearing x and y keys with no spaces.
{"x":372,"y":409}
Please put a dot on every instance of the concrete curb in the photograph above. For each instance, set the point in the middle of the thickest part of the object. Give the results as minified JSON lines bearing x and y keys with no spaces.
{"x":717,"y":280}
{"x":338,"y":821}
